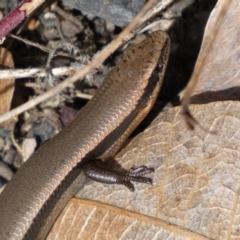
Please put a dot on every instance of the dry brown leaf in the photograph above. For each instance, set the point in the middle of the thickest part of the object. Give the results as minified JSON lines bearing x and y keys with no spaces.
{"x":219,"y":79}
{"x":195,"y":185}
{"x":109,"y":222}
{"x":6,"y":85}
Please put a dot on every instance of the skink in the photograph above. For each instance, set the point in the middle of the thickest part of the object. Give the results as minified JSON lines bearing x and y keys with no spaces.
{"x":41,"y":188}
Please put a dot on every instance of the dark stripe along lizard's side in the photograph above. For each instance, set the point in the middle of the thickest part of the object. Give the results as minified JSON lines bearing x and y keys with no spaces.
{"x":32,"y":200}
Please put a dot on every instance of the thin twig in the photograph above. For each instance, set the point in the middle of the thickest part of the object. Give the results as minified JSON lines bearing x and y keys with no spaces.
{"x":83,"y":95}
{"x":36,"y":72}
{"x":41,"y":47}
{"x":67,"y":16}
{"x":17,"y":15}
{"x":53,"y":17}
{"x":16,"y":145}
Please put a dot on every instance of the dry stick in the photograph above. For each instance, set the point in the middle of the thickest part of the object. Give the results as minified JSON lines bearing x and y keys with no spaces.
{"x":17,"y":15}
{"x":160,"y":6}
{"x":41,"y":47}
{"x":81,"y":73}
{"x":36,"y":72}
{"x":199,"y":66}
{"x":66,"y":15}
